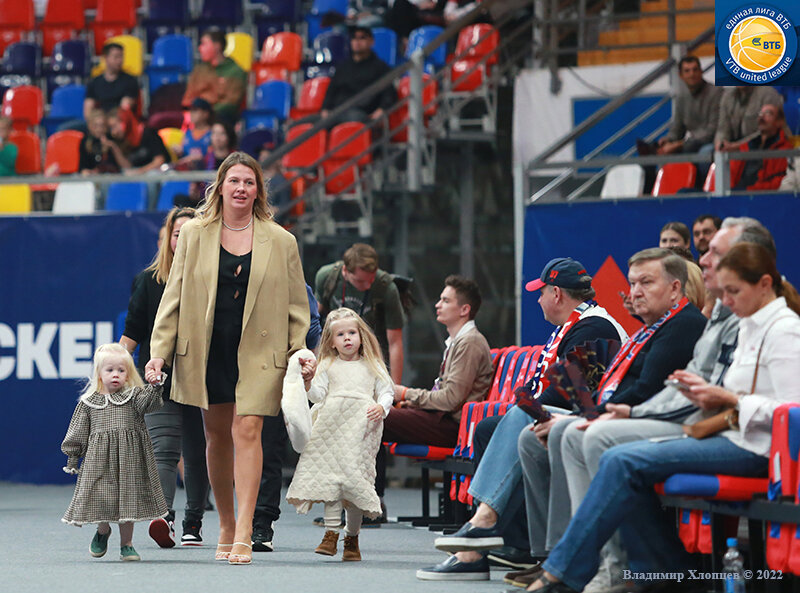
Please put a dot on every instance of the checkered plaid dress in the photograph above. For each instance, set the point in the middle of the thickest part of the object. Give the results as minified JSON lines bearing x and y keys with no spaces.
{"x":118,"y":480}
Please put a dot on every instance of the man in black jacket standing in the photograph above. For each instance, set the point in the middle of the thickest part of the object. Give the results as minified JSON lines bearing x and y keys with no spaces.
{"x":355,"y":74}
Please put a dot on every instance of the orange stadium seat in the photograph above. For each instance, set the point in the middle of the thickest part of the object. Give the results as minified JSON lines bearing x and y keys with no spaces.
{"x":429,"y":91}
{"x":114,"y":17}
{"x":16,"y":20}
{"x":29,"y":152}
{"x":308,"y":152}
{"x":24,"y":105}
{"x":347,"y":140}
{"x":674,"y":176}
{"x":63,"y":148}
{"x":62,"y":20}
{"x":311,"y":97}
{"x":281,"y":53}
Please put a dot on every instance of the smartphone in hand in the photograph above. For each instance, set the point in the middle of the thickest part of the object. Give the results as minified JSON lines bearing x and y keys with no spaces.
{"x":678,"y":384}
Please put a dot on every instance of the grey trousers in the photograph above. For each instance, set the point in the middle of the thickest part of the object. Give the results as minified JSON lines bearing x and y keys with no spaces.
{"x":547,"y":500}
{"x":581,"y":451}
{"x":173,"y":429}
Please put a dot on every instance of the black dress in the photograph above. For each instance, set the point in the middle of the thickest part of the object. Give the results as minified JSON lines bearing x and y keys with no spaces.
{"x":222,"y":369}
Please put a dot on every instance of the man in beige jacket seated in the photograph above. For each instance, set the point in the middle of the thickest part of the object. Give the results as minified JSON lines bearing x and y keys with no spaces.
{"x":431,"y":416}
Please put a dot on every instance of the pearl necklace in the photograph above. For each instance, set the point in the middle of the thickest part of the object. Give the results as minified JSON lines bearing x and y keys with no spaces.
{"x":241,"y":229}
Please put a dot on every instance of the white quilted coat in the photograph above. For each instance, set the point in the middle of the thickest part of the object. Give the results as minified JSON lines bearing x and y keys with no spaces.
{"x":338,"y":462}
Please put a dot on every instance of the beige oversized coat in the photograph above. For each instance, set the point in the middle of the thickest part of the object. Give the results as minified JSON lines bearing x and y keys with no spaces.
{"x":274,"y":325}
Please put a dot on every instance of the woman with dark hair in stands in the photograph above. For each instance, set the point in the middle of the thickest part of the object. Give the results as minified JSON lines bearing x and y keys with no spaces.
{"x":762,"y":376}
{"x":137,"y":148}
{"x":675,"y":234}
{"x":223,"y":143}
{"x":175,"y":427}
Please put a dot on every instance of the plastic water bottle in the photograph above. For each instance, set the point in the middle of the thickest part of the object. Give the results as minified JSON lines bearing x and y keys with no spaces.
{"x":732,"y":566}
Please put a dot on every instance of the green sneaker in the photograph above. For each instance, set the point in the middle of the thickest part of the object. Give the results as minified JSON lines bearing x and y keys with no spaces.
{"x":99,"y":544}
{"x":127,"y":553}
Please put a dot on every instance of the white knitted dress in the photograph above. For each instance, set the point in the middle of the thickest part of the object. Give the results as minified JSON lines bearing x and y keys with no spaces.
{"x":338,"y":463}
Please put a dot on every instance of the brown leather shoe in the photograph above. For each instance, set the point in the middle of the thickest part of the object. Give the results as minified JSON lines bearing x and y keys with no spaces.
{"x":351,"y":553}
{"x":328,"y":545}
{"x":523,"y":578}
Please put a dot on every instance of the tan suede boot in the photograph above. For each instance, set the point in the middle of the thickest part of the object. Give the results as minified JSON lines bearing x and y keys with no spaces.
{"x":351,"y":553}
{"x":328,"y":545}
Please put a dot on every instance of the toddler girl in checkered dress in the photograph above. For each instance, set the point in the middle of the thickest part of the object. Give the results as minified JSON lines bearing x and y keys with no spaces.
{"x":118,"y":480}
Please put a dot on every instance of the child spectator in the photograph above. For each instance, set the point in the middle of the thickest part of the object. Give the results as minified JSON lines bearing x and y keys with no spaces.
{"x":118,"y":480}
{"x":353,"y":393}
{"x":197,"y":140}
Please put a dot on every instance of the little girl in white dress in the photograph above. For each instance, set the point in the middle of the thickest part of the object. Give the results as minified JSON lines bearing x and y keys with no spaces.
{"x":353,"y":393}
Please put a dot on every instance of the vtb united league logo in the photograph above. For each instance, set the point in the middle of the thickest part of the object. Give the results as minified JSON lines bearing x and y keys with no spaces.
{"x":757,"y":43}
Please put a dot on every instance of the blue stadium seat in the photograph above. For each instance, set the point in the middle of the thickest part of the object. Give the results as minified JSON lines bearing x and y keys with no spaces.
{"x":385,"y":45}
{"x":164,"y":17}
{"x":172,"y":58}
{"x":69,"y":63}
{"x":421,"y":37}
{"x":255,"y":140}
{"x":66,"y":105}
{"x":127,"y":195}
{"x":169,"y":189}
{"x":271,"y":104}
{"x":331,"y":47}
{"x":320,"y":9}
{"x":24,"y":60}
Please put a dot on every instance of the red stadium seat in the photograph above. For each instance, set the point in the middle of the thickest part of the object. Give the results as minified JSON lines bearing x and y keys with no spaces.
{"x":306,"y":153}
{"x":674,"y":176}
{"x":29,"y":152}
{"x":347,"y":140}
{"x":476,"y":41}
{"x":62,"y":20}
{"x":430,"y":89}
{"x":63,"y":148}
{"x":311,"y":97}
{"x":16,"y":19}
{"x":24,"y":105}
{"x":114,"y":17}
{"x":283,"y":49}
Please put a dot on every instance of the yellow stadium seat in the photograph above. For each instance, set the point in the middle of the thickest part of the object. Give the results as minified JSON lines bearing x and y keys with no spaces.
{"x":170,"y":137}
{"x":133,"y":61}
{"x":239,"y":48}
{"x":15,"y":199}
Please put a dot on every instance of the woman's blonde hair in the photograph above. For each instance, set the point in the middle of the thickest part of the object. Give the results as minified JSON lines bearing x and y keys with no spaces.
{"x":162,"y":263}
{"x":103,"y":353}
{"x":370,"y":349}
{"x":211,"y":210}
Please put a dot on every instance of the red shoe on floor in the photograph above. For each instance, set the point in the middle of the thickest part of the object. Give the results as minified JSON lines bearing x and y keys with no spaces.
{"x":162,"y":532}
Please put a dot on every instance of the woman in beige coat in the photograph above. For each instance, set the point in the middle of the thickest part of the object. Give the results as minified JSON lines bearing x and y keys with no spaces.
{"x":234,"y":309}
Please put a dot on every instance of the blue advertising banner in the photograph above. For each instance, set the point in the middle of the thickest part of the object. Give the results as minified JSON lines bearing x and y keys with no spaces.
{"x":603,"y":235}
{"x":65,"y":282}
{"x":756,"y":42}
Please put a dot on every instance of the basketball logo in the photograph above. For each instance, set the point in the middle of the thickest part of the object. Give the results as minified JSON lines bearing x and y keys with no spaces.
{"x":757,"y":44}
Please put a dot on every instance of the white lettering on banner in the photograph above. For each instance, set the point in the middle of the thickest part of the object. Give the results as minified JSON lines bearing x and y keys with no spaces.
{"x":77,"y":341}
{"x":7,"y":340}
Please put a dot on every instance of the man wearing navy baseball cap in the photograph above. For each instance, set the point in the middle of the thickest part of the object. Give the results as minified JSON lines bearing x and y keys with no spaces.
{"x":567,"y":301}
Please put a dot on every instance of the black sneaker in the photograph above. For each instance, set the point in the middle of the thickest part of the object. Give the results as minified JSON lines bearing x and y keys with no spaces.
{"x":192,"y":533}
{"x":377,"y":521}
{"x":262,"y":539}
{"x":163,"y":532}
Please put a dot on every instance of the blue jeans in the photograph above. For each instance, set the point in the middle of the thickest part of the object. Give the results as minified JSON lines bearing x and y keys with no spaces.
{"x":499,"y":476}
{"x":621,"y":496}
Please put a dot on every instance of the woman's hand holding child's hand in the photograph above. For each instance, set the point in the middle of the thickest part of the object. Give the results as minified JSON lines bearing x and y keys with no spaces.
{"x":375,"y":412}
{"x":308,"y":367}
